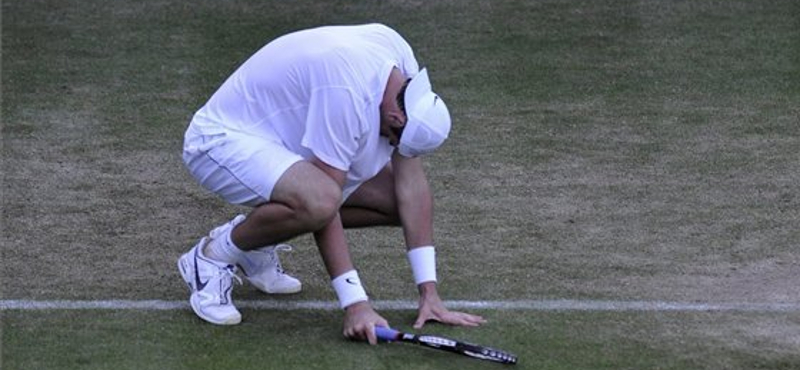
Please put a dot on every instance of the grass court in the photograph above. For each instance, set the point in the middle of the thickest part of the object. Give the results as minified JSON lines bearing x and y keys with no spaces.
{"x":602,"y":151}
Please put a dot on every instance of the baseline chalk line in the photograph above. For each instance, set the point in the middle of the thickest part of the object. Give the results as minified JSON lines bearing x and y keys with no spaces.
{"x":520,"y":305}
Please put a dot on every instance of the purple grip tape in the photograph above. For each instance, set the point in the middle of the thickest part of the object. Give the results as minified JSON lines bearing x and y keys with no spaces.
{"x":386,"y":334}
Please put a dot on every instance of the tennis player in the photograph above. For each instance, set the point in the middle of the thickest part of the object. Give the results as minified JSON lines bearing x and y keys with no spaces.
{"x":320,"y":130}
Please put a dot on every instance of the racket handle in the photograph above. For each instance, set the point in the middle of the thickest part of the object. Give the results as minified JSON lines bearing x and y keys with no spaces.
{"x":386,"y":334}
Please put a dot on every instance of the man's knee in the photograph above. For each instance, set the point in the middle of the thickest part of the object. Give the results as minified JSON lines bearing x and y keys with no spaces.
{"x":319,"y":208}
{"x":313,"y":196}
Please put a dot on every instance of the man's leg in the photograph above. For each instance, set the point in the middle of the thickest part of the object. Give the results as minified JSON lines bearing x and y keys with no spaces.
{"x":373,"y":203}
{"x":290,"y":196}
{"x":303,"y":200}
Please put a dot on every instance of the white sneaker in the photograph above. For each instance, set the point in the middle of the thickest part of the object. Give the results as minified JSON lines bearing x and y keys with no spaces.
{"x":266,"y":272}
{"x":210,"y":283}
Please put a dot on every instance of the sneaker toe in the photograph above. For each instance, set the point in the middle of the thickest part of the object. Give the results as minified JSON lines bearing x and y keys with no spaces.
{"x":215,"y":314}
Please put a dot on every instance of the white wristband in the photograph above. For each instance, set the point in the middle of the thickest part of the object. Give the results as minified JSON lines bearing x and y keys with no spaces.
{"x":423,"y":263}
{"x":348,"y":288}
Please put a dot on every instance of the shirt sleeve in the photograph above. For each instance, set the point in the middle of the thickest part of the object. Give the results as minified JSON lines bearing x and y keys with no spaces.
{"x":333,"y":126}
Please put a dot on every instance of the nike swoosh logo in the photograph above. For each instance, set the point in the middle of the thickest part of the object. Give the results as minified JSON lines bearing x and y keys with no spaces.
{"x":352,"y":281}
{"x":199,"y":284}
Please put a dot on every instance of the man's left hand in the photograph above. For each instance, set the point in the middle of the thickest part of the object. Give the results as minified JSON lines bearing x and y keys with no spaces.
{"x":431,"y":308}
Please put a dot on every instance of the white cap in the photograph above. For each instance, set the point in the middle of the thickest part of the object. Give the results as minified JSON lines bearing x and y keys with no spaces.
{"x":428,"y":118}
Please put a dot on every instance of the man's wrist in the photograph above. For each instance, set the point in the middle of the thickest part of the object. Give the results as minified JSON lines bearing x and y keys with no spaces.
{"x":427,"y":289}
{"x":358,"y":306}
{"x":349,"y":289}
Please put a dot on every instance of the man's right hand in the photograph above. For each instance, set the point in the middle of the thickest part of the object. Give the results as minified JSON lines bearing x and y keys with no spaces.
{"x":360,"y":320}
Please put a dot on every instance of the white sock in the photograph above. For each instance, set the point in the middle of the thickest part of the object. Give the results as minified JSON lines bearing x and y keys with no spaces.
{"x":222,"y":249}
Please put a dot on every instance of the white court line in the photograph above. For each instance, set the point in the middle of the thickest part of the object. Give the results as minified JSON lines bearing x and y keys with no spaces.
{"x":521,"y":305}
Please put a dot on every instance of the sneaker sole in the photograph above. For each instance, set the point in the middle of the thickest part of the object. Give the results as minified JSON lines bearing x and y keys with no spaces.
{"x":264,"y":289}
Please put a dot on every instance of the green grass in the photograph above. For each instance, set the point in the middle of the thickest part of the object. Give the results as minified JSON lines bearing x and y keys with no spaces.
{"x":306,"y":339}
{"x":623,"y":150}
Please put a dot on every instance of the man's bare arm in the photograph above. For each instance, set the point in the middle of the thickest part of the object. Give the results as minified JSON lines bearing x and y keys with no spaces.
{"x":360,"y":318}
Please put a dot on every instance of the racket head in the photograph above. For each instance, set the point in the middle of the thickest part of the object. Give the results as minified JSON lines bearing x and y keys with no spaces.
{"x":448,"y":344}
{"x":487,"y":353}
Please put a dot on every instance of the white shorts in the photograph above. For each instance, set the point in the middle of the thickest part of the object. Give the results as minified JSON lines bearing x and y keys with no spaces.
{"x":242,"y":169}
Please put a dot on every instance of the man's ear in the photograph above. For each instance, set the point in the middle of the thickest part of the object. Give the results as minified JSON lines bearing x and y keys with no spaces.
{"x":398,"y":119}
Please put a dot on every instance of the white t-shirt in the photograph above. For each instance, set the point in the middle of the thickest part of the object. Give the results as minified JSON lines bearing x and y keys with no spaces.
{"x":319,"y":91}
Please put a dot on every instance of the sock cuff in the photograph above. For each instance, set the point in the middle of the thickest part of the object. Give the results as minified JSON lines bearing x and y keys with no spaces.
{"x":223,"y":249}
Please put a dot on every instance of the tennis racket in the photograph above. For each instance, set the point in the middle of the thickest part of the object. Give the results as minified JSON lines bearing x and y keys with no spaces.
{"x":447,"y":344}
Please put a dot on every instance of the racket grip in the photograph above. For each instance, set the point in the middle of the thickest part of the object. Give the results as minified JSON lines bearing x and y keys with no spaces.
{"x":386,"y":334}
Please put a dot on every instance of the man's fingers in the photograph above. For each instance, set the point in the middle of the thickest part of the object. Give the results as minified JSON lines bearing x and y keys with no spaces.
{"x":371,"y":337}
{"x":452,"y":318}
{"x":367,"y":333}
{"x":472,"y":320}
{"x":360,"y":322}
{"x":351,"y":334}
{"x":420,"y":322}
{"x":422,"y":319}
